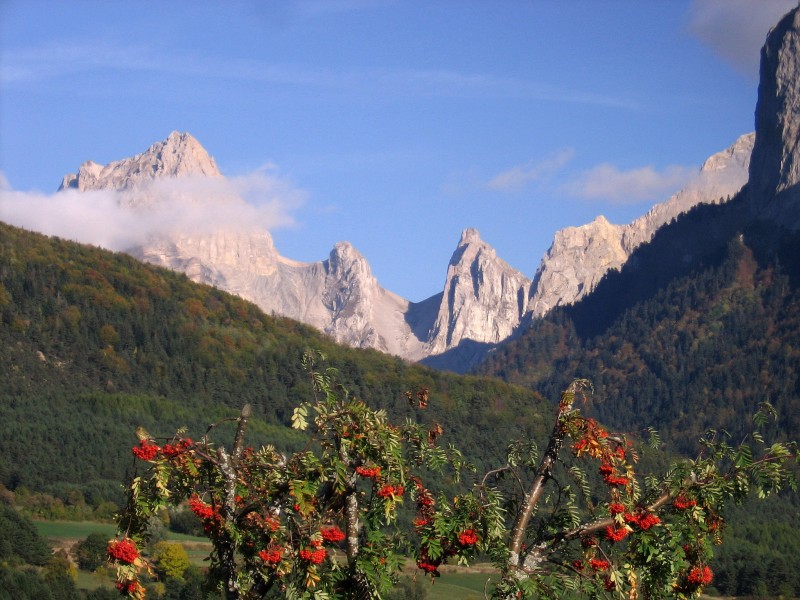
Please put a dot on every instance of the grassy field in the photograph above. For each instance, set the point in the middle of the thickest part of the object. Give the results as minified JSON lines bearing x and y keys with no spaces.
{"x":78,"y":530}
{"x":64,"y":534}
{"x":73,"y":530}
{"x":461,"y":584}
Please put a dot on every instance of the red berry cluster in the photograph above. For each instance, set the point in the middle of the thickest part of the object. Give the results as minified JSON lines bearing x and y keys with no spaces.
{"x":271,"y":556}
{"x":700,"y":575}
{"x":681,"y":502}
{"x":146,"y":450}
{"x":610,"y":476}
{"x":314,"y":555}
{"x":131,"y":587}
{"x":697,"y":576}
{"x":332,"y":534}
{"x":205,"y":512}
{"x":428,"y":564}
{"x":643,"y":519}
{"x":616,"y":508}
{"x":388,"y":490}
{"x":123,"y":550}
{"x":200,"y":508}
{"x":369,"y":472}
{"x":468,"y":537}
{"x":599,"y":564}
{"x":425,"y":504}
{"x":173,"y":450}
{"x":428,"y":567}
{"x":616,"y":534}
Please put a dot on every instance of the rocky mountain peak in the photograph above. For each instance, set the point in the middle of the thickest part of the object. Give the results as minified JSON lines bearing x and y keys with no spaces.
{"x":775,"y":164}
{"x":484,"y":298}
{"x":575,"y":263}
{"x":469,"y":236}
{"x":179,"y":155}
{"x":580,"y":256}
{"x":347,"y":263}
{"x":738,"y":153}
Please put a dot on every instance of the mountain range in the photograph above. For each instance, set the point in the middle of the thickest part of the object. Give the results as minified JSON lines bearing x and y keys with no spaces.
{"x":693,"y":318}
{"x":484,"y":300}
{"x":700,"y":323}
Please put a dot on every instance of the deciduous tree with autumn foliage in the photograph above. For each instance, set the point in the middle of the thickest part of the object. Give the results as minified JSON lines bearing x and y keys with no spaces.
{"x":576,"y":519}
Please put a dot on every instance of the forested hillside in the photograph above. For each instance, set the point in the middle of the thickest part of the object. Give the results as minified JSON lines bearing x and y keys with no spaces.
{"x":93,"y":344}
{"x":699,"y":327}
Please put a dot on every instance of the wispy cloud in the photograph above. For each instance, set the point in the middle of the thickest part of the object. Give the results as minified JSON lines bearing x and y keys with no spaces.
{"x":122,"y":220}
{"x":63,"y":59}
{"x":608,"y":183}
{"x":520,"y":176}
{"x":736,"y":29}
{"x":57,"y":60}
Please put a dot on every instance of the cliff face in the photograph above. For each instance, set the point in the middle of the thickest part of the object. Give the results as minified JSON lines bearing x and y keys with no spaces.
{"x":580,"y":256}
{"x":575,"y":262}
{"x":775,"y":166}
{"x":339,"y":296}
{"x":484,"y":299}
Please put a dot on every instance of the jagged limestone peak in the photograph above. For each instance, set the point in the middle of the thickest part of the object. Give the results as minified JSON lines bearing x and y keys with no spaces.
{"x":483,"y":300}
{"x":179,"y":155}
{"x":580,"y":256}
{"x":469,"y":236}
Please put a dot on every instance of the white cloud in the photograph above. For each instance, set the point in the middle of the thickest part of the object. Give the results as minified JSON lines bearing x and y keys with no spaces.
{"x":518,"y":177}
{"x":122,"y":220}
{"x":737,"y":29}
{"x":607,"y":182}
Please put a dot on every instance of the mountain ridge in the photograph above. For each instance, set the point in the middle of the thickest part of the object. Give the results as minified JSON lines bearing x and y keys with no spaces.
{"x":700,"y":324}
{"x":179,"y":155}
{"x":484,"y":300}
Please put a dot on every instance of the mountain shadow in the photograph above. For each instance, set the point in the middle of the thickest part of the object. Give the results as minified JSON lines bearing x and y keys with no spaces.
{"x":698,"y":327}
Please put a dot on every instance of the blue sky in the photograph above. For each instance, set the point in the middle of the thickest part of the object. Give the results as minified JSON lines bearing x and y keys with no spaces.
{"x":391,"y":124}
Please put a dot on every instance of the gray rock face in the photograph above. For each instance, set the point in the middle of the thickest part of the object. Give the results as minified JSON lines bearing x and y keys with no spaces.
{"x":580,"y":256}
{"x":338,"y":296}
{"x":484,"y":298}
{"x":575,"y":262}
{"x":775,"y":167}
{"x":177,"y":156}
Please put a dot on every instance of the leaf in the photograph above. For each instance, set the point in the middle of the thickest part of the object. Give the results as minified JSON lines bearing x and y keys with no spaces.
{"x":744,"y":457}
{"x":300,"y":418}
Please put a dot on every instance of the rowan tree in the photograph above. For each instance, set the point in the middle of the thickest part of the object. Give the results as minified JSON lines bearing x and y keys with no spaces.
{"x":322,"y":523}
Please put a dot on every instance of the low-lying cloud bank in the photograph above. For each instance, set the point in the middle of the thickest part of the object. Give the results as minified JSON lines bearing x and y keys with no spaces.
{"x":123,"y":220}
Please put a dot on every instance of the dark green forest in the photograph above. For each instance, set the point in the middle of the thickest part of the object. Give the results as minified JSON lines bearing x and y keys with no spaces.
{"x":94,"y":344}
{"x":697,"y":328}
